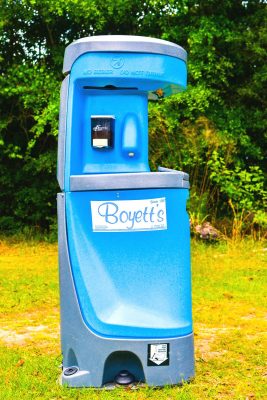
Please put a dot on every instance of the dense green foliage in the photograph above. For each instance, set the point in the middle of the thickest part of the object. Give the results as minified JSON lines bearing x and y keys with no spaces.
{"x":216,"y":130}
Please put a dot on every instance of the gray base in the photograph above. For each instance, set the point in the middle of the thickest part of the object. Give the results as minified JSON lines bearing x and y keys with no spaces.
{"x":97,"y":369}
{"x":100,"y":359}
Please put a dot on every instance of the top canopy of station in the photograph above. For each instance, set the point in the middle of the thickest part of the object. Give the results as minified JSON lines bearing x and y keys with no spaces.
{"x":120,"y":43}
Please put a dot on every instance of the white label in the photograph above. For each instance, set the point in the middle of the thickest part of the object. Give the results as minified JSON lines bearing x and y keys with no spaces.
{"x":100,"y":142}
{"x":129,"y":215}
{"x":158,"y":353}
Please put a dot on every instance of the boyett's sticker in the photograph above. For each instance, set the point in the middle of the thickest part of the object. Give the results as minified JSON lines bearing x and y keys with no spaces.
{"x":129,"y":215}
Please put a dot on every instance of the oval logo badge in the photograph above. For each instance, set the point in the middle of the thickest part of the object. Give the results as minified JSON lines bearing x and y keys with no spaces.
{"x":117,"y":62}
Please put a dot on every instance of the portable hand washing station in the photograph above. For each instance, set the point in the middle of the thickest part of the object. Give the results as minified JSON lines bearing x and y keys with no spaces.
{"x":124,"y":251}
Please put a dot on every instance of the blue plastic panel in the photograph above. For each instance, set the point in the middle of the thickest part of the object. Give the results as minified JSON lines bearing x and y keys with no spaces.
{"x":85,"y":159}
{"x":146,"y":72}
{"x":133,"y":284}
{"x":129,"y":77}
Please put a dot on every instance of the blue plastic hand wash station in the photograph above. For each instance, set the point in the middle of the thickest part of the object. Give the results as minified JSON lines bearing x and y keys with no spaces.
{"x":123,"y":231}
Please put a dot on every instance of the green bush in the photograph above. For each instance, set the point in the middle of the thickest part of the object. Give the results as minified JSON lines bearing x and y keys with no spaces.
{"x":222,"y":113}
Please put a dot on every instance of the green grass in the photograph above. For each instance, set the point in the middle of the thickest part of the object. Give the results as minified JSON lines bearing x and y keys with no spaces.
{"x":229,"y":300}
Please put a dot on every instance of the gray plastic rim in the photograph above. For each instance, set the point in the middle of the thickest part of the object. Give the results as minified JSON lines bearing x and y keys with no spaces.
{"x":120,"y":43}
{"x":134,"y":180}
{"x":62,"y":131}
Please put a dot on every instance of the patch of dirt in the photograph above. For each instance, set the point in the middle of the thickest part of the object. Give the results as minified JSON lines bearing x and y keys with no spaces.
{"x":30,"y":333}
{"x":252,"y":315}
{"x":249,"y":316}
{"x":205,"y":338}
{"x":37,"y":327}
{"x":12,"y":337}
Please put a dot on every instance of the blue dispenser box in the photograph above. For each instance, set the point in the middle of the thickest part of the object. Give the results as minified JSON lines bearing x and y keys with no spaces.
{"x":124,"y":251}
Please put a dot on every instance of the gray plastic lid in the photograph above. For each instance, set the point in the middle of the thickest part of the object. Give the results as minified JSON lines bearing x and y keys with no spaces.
{"x":120,"y":43}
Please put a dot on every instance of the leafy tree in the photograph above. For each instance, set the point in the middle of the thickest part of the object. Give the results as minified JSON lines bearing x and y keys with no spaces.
{"x":222,"y":114}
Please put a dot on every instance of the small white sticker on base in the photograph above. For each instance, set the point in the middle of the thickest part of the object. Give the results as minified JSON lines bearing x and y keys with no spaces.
{"x":158,"y":354}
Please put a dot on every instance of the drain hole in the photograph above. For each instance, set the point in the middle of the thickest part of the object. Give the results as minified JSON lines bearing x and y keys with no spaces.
{"x":70,"y":371}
